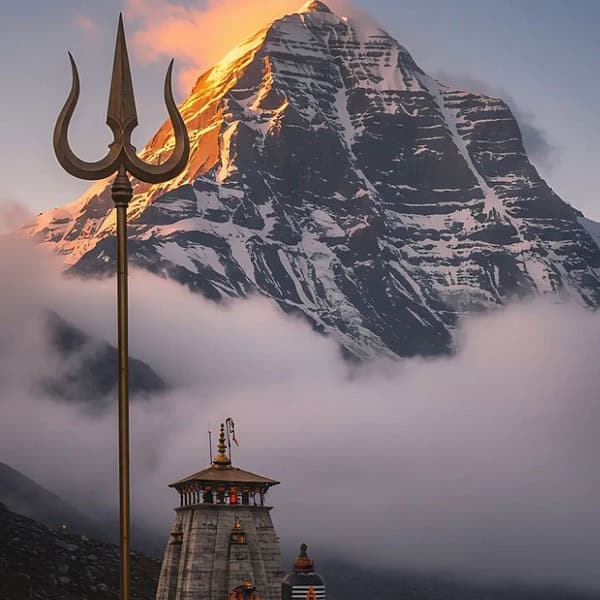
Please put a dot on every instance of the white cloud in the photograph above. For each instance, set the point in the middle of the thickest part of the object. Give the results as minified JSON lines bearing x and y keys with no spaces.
{"x":481,"y":465}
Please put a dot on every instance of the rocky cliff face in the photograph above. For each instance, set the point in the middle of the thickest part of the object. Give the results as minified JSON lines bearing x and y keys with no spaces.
{"x":331,"y":174}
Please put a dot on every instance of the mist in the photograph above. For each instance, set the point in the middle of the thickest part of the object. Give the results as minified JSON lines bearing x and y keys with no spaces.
{"x":481,"y":465}
{"x":12,"y":215}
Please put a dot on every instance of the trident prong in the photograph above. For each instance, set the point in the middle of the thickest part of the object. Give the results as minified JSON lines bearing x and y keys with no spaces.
{"x":121,"y":118}
{"x":122,"y":158}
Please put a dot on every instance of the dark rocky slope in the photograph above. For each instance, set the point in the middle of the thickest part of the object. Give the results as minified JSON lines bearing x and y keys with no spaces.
{"x":65,"y":567}
{"x":88,"y":370}
{"x":23,"y":495}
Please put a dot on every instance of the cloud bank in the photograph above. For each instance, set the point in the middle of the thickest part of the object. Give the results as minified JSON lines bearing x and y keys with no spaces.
{"x":12,"y":215}
{"x":200,"y":34}
{"x":483,"y":465}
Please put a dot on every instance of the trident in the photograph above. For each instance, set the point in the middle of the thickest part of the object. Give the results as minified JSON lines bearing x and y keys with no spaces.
{"x":122,"y":159}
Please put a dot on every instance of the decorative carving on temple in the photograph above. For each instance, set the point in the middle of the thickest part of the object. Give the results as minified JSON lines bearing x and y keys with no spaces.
{"x":238,"y":535}
{"x":311,"y":594}
{"x":176,"y":534}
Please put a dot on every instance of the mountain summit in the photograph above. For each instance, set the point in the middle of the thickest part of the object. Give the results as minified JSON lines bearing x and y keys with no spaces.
{"x":329,"y":173}
{"x":315,"y":6}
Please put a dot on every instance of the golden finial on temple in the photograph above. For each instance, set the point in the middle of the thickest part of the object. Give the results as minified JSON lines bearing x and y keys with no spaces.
{"x":222,"y":459}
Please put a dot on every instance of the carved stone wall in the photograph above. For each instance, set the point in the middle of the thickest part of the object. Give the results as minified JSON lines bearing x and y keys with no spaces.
{"x":201,"y":563}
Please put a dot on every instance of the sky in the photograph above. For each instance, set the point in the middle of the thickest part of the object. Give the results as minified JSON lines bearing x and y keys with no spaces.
{"x":483,"y":465}
{"x":543,"y":56}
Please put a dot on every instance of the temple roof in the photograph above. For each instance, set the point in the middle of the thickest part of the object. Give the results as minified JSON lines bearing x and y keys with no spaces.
{"x":227,"y":474}
{"x":304,"y":575}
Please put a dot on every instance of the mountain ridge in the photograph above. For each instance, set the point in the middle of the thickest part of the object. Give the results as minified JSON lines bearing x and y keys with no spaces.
{"x":21,"y":494}
{"x":331,"y":174}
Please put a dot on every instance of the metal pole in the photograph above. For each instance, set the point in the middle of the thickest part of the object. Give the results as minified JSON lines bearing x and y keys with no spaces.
{"x":228,"y":440}
{"x":121,"y":195}
{"x":122,"y":158}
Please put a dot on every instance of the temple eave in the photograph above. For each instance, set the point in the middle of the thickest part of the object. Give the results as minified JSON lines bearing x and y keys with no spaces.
{"x":225,"y":476}
{"x":215,"y":482}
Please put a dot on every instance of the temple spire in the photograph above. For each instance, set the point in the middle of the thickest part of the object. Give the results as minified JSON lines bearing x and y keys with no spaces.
{"x":303,"y":583}
{"x":221,"y":459}
{"x":303,"y":563}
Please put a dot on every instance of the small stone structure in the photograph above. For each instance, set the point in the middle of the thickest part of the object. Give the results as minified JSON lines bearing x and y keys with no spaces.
{"x":304,"y":583}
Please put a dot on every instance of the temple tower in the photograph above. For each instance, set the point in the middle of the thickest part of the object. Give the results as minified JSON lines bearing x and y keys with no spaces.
{"x":223,"y":537}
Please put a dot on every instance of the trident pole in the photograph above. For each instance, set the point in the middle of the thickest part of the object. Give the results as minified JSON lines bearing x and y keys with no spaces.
{"x":122,"y":193}
{"x":122,"y":160}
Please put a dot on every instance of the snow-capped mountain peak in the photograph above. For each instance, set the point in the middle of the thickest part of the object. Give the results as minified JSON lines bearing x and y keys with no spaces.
{"x":315,"y":6}
{"x":331,"y":174}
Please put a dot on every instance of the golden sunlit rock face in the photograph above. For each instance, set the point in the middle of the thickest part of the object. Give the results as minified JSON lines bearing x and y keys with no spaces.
{"x":203,"y":113}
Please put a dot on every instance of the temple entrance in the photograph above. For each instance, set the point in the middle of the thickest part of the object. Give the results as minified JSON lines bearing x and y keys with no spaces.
{"x":246,"y":591}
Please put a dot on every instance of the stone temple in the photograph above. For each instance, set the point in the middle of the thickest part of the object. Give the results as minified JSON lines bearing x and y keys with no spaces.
{"x":223,"y":544}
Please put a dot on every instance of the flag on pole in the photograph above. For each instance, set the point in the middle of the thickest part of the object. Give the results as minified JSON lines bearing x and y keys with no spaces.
{"x":231,"y":429}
